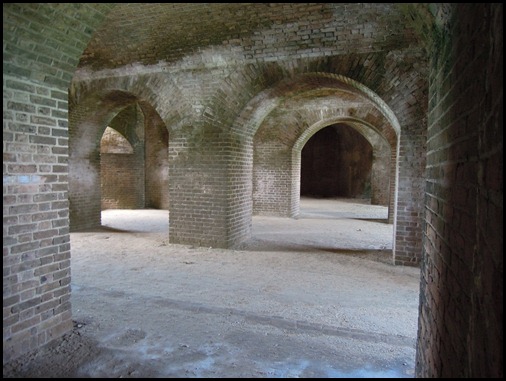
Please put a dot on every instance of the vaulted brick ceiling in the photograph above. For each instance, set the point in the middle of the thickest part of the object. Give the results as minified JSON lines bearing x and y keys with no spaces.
{"x":151,"y":33}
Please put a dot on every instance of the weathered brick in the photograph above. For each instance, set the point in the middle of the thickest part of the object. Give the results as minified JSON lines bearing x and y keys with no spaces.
{"x":42,"y":120}
{"x":42,"y":101}
{"x":381,"y":46}
{"x":25,"y":324}
{"x":16,"y":85}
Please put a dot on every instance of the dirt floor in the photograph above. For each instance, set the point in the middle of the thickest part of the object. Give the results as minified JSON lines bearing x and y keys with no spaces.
{"x":315,"y":296}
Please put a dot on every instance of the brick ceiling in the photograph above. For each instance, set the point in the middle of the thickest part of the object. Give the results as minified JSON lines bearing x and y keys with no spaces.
{"x":152,"y":33}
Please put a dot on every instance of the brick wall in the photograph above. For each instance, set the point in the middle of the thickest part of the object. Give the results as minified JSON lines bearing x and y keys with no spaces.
{"x":461,"y":313}
{"x":122,"y":181}
{"x":355,"y":162}
{"x":272,"y":179}
{"x":122,"y":171}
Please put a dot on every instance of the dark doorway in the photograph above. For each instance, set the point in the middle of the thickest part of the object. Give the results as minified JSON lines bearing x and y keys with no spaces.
{"x":336,"y":162}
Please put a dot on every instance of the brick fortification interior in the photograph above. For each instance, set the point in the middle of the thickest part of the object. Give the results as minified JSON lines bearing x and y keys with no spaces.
{"x":221,"y":112}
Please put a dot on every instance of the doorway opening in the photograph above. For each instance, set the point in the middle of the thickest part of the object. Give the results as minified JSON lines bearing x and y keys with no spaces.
{"x":134,"y":172}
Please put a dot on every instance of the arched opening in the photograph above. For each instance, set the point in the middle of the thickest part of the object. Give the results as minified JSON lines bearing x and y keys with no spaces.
{"x":134,"y":177}
{"x":120,"y":173}
{"x":118,"y":159}
{"x":282,"y":123}
{"x":336,"y":162}
{"x":338,"y":176}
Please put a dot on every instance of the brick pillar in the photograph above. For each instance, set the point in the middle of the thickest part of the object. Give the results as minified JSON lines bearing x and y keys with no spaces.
{"x":410,"y":197}
{"x":36,"y":239}
{"x":84,"y":177}
{"x":38,"y":65}
{"x":197,"y":189}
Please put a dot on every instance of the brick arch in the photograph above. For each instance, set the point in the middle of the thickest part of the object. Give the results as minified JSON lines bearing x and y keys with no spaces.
{"x":311,"y":85}
{"x":88,"y":120}
{"x":381,"y":148}
{"x":249,"y":93}
{"x":115,"y":141}
{"x":173,"y":110}
{"x":362,"y":126}
{"x":289,"y":127}
{"x":121,"y":124}
{"x":267,"y":100}
{"x":302,"y":114}
{"x":260,"y":121}
{"x":360,"y":104}
{"x":286,"y":152}
{"x":59,"y":50}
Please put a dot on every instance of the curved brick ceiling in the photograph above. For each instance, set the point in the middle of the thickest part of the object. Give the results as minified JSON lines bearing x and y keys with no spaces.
{"x":153,"y":33}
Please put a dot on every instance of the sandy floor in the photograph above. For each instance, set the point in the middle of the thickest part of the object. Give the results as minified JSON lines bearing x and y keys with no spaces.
{"x":315,"y":296}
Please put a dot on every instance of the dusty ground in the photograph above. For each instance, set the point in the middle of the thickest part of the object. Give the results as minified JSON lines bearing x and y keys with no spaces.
{"x":310,"y":297}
